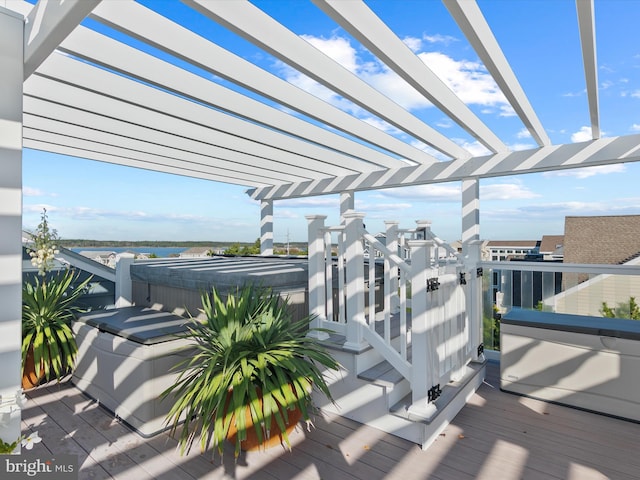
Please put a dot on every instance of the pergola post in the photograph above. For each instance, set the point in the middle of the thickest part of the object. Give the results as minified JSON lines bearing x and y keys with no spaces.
{"x":347,"y":203}
{"x":11,"y":66}
{"x":266,"y":227}
{"x":471,"y":250}
{"x":470,"y":212}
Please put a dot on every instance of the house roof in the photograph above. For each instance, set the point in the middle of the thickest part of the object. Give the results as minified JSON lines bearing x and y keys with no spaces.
{"x":156,"y":95}
{"x":601,"y":239}
{"x":551,"y":243}
{"x":513,"y":243}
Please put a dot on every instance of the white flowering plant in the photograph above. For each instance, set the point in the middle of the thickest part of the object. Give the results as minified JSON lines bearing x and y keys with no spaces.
{"x":49,"y":304}
{"x":10,"y":406}
{"x":44,"y":246}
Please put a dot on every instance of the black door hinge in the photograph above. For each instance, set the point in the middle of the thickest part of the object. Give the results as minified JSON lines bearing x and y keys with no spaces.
{"x":432,"y":284}
{"x":433,"y":393}
{"x":463,"y":278}
{"x":479,"y":272}
{"x":480,"y":349}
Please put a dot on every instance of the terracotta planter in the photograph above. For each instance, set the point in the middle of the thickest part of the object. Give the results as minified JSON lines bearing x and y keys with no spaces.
{"x":29,"y":377}
{"x":251,"y":443}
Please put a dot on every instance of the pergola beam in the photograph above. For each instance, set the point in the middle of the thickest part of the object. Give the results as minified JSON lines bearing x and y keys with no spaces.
{"x":69,"y":82}
{"x":109,"y":53}
{"x":48,"y":23}
{"x":592,"y":153}
{"x":132,"y":18}
{"x":253,"y":24}
{"x":586,"y":24}
{"x":364,"y":25}
{"x":475,"y":27}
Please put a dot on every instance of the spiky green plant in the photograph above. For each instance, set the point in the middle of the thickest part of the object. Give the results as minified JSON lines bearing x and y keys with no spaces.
{"x":249,"y":353}
{"x":48,"y":306}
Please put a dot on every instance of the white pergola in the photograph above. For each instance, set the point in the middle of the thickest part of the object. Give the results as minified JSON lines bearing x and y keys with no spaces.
{"x":70,"y":90}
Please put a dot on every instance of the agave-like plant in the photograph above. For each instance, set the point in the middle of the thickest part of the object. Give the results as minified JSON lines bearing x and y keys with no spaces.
{"x":249,"y":354}
{"x":48,"y":306}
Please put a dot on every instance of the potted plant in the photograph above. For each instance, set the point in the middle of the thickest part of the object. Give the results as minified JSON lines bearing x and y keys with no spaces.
{"x":48,"y":344}
{"x":48,"y":306}
{"x":253,"y":369}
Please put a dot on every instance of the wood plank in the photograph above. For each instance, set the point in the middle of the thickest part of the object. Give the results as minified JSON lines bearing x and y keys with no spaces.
{"x":497,"y":435}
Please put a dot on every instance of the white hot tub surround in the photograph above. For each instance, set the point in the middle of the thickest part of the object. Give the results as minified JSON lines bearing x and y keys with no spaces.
{"x":586,"y":362}
{"x":125,"y":360}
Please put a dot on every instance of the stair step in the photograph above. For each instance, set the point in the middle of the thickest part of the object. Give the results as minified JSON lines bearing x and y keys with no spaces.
{"x":382,"y":374}
{"x":449,"y":392}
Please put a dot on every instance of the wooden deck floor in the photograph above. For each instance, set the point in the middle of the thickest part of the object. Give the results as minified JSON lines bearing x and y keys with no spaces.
{"x":496,"y":436}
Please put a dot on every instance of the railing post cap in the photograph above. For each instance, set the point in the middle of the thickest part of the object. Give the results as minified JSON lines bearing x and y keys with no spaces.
{"x":423,"y":223}
{"x":391,"y":222}
{"x":353,"y":214}
{"x":315,"y":217}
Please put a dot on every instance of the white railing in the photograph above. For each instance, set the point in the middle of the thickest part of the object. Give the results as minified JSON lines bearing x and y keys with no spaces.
{"x":579,"y":289}
{"x":424,"y":324}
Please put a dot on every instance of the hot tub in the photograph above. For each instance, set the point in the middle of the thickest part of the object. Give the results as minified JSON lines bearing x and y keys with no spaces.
{"x":586,"y":362}
{"x":125,"y":360}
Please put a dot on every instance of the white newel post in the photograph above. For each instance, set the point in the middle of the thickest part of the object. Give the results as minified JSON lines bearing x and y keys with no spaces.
{"x":421,"y":327}
{"x":124,"y":285}
{"x":316,"y":273}
{"x":391,"y":300}
{"x":266,"y":227}
{"x":474,"y":299}
{"x":11,"y":66}
{"x":355,"y":281}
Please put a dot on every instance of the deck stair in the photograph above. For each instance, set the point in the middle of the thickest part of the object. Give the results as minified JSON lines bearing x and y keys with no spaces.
{"x":405,"y":323}
{"x":369,"y":390}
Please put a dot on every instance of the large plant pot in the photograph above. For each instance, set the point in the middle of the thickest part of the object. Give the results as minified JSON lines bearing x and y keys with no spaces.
{"x":251,"y":443}
{"x":29,"y":377}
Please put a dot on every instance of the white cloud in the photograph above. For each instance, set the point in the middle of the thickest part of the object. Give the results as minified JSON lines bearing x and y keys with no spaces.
{"x":506,"y":191}
{"x":521,"y":146}
{"x":437,"y":38}
{"x":415,"y":44}
{"x":475,"y":148}
{"x":322,"y":202}
{"x":575,"y":94}
{"x":635,"y":94}
{"x":524,"y":133}
{"x":587,"y":172}
{"x":337,"y":48}
{"x":583,"y":135}
{"x":635,"y":127}
{"x":32,"y":192}
{"x":470,"y":80}
{"x":429,"y":193}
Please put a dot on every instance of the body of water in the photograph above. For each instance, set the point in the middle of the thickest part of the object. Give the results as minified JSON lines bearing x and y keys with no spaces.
{"x":161,"y":252}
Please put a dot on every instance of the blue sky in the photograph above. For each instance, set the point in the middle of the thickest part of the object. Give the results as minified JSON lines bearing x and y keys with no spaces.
{"x":88,"y":199}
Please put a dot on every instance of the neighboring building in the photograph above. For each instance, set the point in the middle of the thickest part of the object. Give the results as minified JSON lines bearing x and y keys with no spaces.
{"x":552,"y":247}
{"x":504,"y":250}
{"x":612,"y":239}
{"x":104,"y":257}
{"x":200,"y":252}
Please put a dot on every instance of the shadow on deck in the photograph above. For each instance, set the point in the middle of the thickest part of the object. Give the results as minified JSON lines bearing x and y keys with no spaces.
{"x":496,"y":436}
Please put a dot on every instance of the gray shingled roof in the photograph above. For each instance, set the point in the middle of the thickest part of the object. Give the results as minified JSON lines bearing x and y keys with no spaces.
{"x":601,"y":239}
